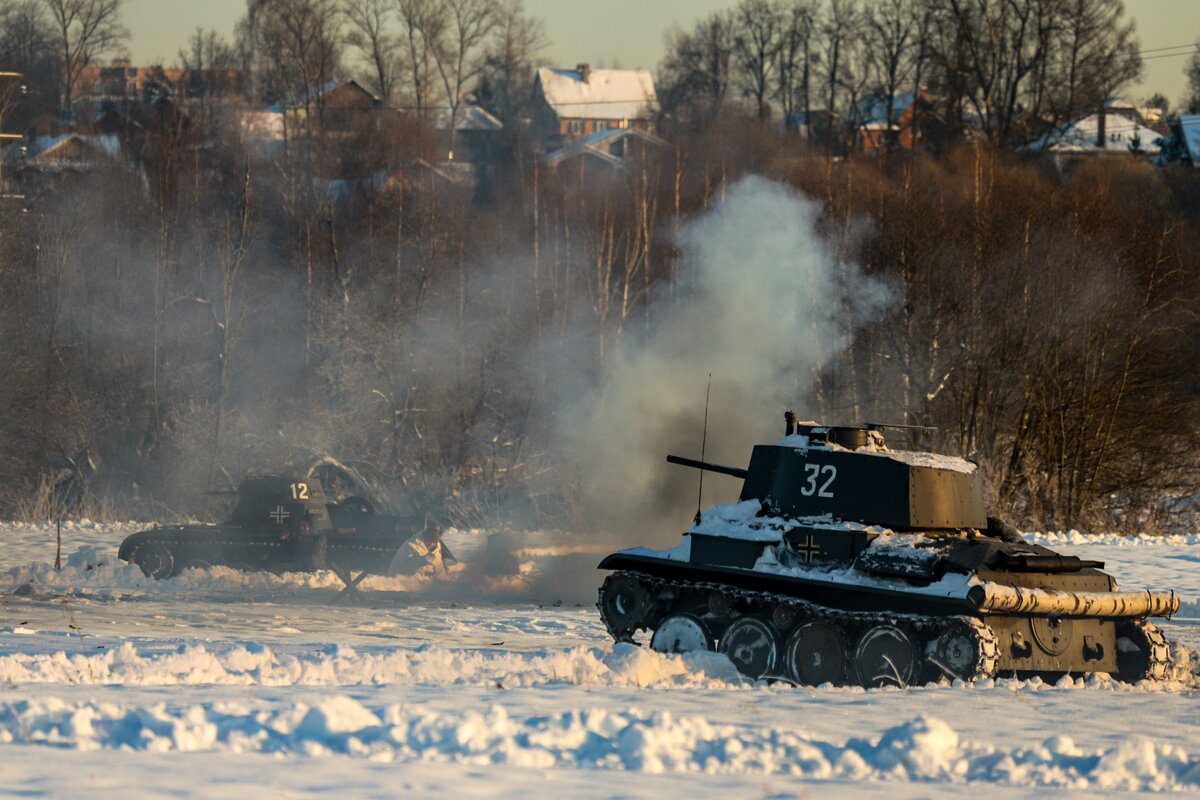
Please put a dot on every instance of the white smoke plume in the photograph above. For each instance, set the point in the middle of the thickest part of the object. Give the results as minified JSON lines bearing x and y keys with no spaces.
{"x":762,"y":304}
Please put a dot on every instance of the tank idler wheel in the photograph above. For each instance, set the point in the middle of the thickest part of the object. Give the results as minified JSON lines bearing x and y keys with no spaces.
{"x":681,"y":633}
{"x":752,"y":644}
{"x":625,"y":605}
{"x":816,"y":654}
{"x":1142,"y":652}
{"x":156,"y":560}
{"x":885,"y":656}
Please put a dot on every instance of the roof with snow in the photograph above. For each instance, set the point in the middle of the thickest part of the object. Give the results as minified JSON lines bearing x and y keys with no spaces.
{"x":606,"y":94}
{"x":468,"y":118}
{"x":312,"y":93}
{"x":872,"y":110}
{"x":609,"y":146}
{"x":56,"y":147}
{"x":1189,"y":124}
{"x":1080,"y":136}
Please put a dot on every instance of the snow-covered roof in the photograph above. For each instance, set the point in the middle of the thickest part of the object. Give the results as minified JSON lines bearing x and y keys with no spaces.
{"x":316,"y":91}
{"x":1189,"y":124}
{"x":606,"y":94}
{"x":600,"y":145}
{"x":1080,"y":136}
{"x":49,"y":148}
{"x":468,"y":118}
{"x":872,"y":110}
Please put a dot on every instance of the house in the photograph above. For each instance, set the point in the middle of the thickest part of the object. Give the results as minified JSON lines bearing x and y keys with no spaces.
{"x":340,"y":108}
{"x":1183,"y":145}
{"x":869,"y":121}
{"x":607,"y":149}
{"x":67,"y":152}
{"x":1116,"y":128}
{"x":475,"y":133}
{"x":573,"y":103}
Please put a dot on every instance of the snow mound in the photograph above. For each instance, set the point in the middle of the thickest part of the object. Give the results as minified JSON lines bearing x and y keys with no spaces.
{"x":625,"y":666}
{"x":921,"y":749}
{"x":1073,"y":537}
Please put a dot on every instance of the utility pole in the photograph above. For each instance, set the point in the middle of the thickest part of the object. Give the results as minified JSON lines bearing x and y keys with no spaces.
{"x":15,"y":89}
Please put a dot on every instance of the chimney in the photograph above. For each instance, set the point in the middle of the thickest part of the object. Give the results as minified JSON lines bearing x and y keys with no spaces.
{"x":585,"y":72}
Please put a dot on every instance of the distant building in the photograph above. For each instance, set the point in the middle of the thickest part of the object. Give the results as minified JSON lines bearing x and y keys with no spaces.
{"x":339,"y":108}
{"x":475,"y":133}
{"x":574,"y":103}
{"x":872,"y":132}
{"x":1116,"y":128}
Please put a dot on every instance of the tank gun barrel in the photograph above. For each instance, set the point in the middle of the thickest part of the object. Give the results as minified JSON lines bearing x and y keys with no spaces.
{"x":733,"y":472}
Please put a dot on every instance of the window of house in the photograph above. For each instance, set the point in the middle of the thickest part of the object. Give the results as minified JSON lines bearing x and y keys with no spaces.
{"x":575,"y":127}
{"x":601,"y":125}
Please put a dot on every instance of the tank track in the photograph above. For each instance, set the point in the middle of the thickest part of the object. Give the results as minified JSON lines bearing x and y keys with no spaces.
{"x":931,"y":627}
{"x":1157,"y":663}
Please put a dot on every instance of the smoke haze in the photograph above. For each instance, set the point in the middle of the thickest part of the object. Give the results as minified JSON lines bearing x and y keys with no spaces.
{"x":762,"y":304}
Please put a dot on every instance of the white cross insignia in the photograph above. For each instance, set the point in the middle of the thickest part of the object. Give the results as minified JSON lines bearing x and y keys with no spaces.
{"x":279,"y":514}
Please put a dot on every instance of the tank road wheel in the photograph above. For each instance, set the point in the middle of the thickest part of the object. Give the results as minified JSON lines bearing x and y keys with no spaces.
{"x":625,"y":604}
{"x":885,"y":656}
{"x":752,"y":645}
{"x":155,"y":559}
{"x":681,"y":633}
{"x":816,"y":654}
{"x":1142,"y":651}
{"x":966,"y":650}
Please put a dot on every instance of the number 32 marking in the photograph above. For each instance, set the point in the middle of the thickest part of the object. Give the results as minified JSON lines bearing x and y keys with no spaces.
{"x":813,"y":473}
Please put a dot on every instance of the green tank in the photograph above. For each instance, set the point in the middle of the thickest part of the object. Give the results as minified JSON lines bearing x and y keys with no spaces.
{"x":846,"y":562}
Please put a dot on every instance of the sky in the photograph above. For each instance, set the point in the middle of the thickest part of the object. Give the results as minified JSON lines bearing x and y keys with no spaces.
{"x":629,"y":33}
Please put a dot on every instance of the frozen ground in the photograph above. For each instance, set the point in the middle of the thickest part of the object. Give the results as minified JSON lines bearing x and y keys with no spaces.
{"x":217,"y":683}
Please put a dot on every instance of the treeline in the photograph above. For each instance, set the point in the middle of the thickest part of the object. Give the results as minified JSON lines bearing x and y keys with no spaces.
{"x":160,"y":344}
{"x":202,"y":311}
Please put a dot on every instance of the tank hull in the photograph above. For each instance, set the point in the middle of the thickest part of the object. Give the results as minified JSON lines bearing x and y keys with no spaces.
{"x":166,"y":551}
{"x":940,"y":635}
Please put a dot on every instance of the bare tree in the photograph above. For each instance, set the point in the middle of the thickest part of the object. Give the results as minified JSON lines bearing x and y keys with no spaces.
{"x":422,"y":23}
{"x":795,"y":60}
{"x":460,"y":50}
{"x":891,"y":27}
{"x":1191,"y":102}
{"x":26,"y":37}
{"x":85,"y":30}
{"x":695,"y":74}
{"x":757,"y":27}
{"x":839,"y":24}
{"x":369,"y":33}
{"x":204,"y":60}
{"x":298,"y":45}
{"x":505,"y":83}
{"x":1096,"y":55}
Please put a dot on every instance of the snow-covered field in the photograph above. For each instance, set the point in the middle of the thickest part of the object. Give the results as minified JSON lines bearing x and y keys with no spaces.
{"x":218,"y":683}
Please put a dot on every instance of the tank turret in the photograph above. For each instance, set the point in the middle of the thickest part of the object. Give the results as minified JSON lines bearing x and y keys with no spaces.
{"x":846,"y":561}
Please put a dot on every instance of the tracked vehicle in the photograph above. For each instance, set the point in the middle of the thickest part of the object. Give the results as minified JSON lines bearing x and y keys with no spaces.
{"x":846,"y":562}
{"x":289,"y":524}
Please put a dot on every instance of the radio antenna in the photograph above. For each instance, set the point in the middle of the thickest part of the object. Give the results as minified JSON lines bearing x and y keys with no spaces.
{"x":703,"y":444}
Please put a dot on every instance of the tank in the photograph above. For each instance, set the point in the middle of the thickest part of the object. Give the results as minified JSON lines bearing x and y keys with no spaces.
{"x":846,"y":562}
{"x":283,"y":524}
